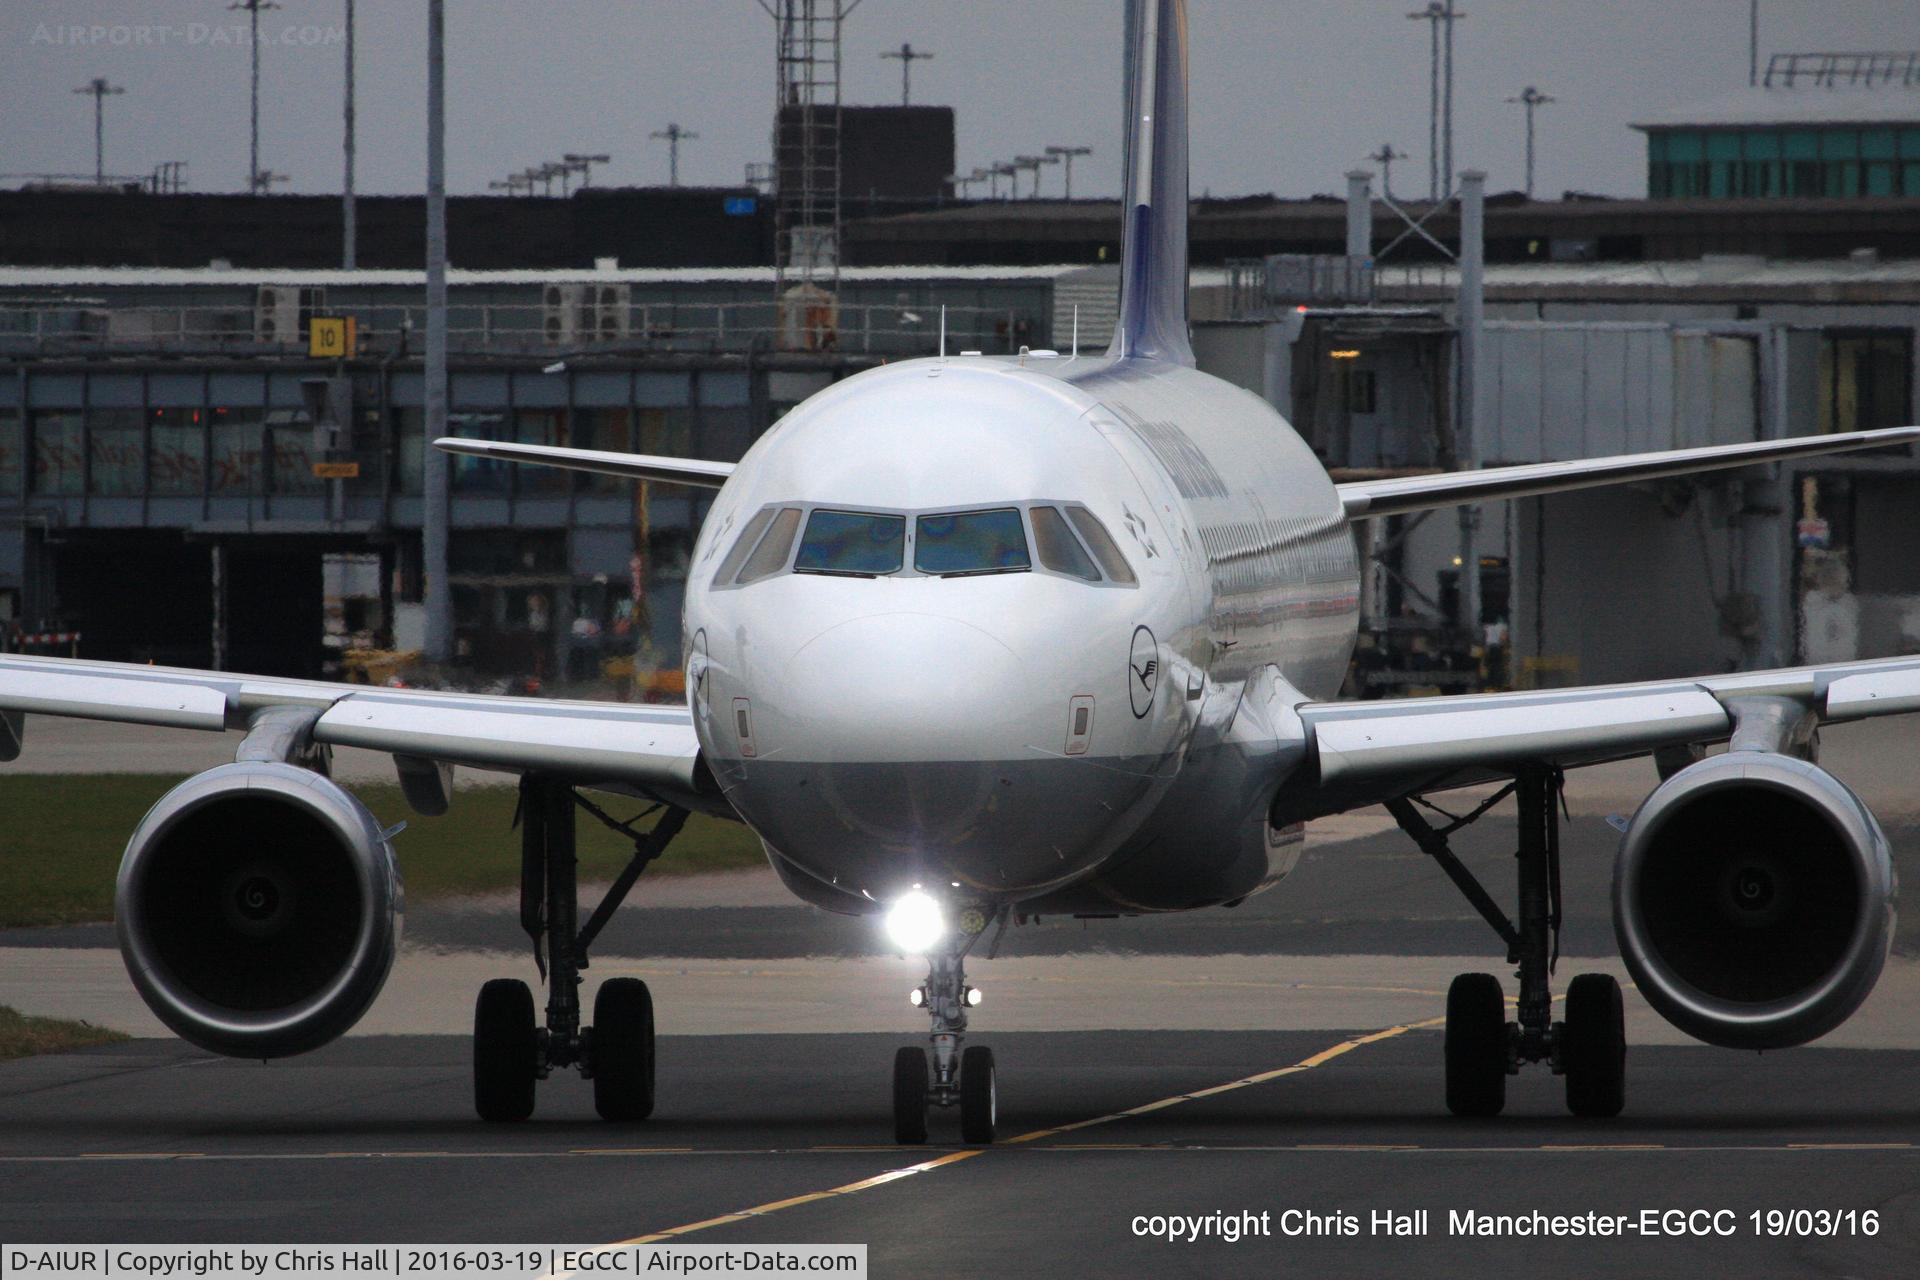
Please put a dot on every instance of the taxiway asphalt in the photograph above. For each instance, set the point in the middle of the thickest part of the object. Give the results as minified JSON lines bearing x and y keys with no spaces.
{"x":1282,"y":1056}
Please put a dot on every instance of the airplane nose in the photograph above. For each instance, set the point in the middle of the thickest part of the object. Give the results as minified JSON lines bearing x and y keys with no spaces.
{"x":901,"y":748}
{"x":902,"y":686}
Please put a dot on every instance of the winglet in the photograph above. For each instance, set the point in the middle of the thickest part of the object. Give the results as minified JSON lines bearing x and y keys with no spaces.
{"x":1153,"y":271}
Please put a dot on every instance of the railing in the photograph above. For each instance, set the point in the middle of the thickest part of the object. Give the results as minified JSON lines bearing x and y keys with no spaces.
{"x":1262,"y":286}
{"x":581,"y":328}
{"x":1416,"y":275}
{"x":1829,"y":70}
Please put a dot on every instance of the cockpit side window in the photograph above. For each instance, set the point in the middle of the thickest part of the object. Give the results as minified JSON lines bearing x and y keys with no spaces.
{"x":743,"y":546}
{"x":1101,"y":543}
{"x":970,"y":542}
{"x":771,"y":556}
{"x":853,"y":543}
{"x":1059,"y":550}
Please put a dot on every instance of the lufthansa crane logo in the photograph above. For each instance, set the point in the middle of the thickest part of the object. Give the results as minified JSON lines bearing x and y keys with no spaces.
{"x":1143,"y":671}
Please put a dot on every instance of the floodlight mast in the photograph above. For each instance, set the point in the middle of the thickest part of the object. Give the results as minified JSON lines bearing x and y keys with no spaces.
{"x":907,"y":55}
{"x":257,"y":182}
{"x":584,"y":162}
{"x":674,"y":135}
{"x":1530,"y":98}
{"x":1066,"y":155}
{"x":100,"y":90}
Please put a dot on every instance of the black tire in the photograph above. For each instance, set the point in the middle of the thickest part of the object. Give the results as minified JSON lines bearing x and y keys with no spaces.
{"x":1476,"y":1046}
{"x":506,"y":1051}
{"x":910,"y":1097}
{"x":979,"y":1096}
{"x":1595,"y":1052}
{"x":623,"y":1057}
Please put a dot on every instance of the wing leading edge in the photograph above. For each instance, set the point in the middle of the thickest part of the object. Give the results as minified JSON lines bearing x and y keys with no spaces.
{"x":645,"y":749}
{"x":635,"y":466}
{"x":1363,"y":752}
{"x":1365,"y":498}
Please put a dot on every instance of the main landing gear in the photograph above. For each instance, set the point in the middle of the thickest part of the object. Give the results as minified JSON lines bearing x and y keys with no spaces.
{"x":952,"y":1077}
{"x":1483,"y":1048}
{"x":511,"y":1053}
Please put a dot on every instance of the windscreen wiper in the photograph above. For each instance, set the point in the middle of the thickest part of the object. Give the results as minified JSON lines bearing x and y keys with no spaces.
{"x":979,"y":573}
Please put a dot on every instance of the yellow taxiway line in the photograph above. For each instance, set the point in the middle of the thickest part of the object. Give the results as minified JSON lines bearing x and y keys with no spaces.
{"x":955,"y":1157}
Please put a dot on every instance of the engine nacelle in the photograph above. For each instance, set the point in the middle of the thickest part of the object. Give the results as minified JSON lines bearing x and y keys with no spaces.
{"x":1753,"y":900}
{"x":258,"y":909}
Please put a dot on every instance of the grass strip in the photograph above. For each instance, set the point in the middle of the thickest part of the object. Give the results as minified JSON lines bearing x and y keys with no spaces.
{"x":61,"y":838}
{"x":22,"y":1036}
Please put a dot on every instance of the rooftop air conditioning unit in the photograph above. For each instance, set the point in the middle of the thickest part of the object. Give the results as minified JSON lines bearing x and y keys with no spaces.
{"x":276,"y":315}
{"x":560,"y":313}
{"x":574,"y":313}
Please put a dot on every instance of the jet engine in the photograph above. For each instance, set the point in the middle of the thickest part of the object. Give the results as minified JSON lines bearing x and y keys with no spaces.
{"x":1753,"y":900}
{"x":258,"y":908}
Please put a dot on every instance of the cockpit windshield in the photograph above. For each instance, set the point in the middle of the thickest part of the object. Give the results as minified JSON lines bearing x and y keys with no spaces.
{"x":1063,"y":539}
{"x":965,"y":542}
{"x":854,"y":543}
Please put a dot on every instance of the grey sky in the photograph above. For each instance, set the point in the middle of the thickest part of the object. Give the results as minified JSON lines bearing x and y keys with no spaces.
{"x":1288,"y":93}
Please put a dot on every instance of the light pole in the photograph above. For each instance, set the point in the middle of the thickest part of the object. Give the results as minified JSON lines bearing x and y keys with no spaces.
{"x":1034,"y":163}
{"x":674,"y":135}
{"x":1530,"y":98}
{"x":1066,"y":155}
{"x":1446,"y":110}
{"x":999,"y":171}
{"x":433,"y":533}
{"x":252,"y":9}
{"x":100,"y":91}
{"x":1385,"y":157}
{"x":908,"y":55}
{"x":349,"y":232}
{"x":1439,"y":109}
{"x":584,"y":163}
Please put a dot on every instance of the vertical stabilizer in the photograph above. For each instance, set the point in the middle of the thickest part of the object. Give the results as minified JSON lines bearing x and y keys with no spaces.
{"x":1153,"y":259}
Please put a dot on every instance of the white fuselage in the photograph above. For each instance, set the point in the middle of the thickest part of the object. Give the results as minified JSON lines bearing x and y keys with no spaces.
{"x":1025,"y":735}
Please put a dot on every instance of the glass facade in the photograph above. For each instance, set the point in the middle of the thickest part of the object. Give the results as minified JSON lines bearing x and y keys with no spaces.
{"x":59,"y":459}
{"x":116,"y":452}
{"x":1866,"y":378}
{"x":177,"y":454}
{"x":11,"y":452}
{"x":547,"y":560}
{"x":1826,"y":161}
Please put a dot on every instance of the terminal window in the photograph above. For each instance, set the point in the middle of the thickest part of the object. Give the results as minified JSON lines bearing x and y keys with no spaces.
{"x":1866,"y":378}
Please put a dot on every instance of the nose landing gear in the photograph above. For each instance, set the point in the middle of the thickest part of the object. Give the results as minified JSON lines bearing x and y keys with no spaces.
{"x":949,"y":1076}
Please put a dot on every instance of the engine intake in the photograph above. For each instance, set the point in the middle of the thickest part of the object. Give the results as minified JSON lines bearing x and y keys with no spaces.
{"x":1753,"y":900}
{"x":258,"y":909}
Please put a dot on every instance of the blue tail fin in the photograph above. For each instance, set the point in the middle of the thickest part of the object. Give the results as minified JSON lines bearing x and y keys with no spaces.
{"x":1153,"y":270}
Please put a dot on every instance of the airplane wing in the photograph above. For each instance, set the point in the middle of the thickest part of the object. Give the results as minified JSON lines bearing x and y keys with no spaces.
{"x":1360,"y":753}
{"x":1366,"y":498}
{"x":644,"y":749}
{"x":635,"y":466}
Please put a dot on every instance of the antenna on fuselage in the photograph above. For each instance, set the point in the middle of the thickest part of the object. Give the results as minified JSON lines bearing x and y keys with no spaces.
{"x":943,"y":331}
{"x":1076,"y":332}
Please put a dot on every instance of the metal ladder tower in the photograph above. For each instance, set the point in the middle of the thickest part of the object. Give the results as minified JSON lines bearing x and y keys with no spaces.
{"x":806,"y":142}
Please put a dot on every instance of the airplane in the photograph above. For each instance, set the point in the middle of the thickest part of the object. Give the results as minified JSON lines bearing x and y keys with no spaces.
{"x":972,"y":639}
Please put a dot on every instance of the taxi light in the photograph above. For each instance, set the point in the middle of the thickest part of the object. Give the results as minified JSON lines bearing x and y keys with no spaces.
{"x":914,"y":924}
{"x":973,"y":997}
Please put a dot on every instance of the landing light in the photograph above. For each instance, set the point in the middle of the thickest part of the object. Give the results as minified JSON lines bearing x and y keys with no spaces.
{"x":914,"y":923}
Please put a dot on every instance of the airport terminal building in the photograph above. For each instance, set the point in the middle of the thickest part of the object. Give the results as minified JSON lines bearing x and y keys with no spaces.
{"x":172,"y":439}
